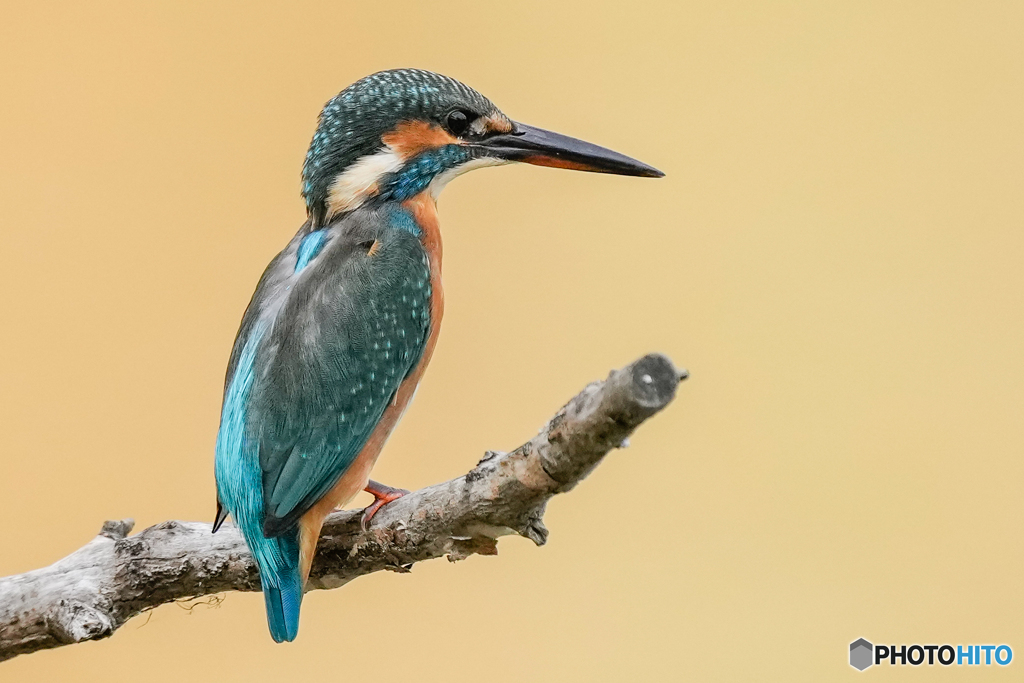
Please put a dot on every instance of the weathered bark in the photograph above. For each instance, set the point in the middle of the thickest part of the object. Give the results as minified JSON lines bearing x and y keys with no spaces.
{"x":92,"y":592}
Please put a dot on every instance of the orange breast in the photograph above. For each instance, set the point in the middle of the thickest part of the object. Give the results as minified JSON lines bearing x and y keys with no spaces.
{"x":424,"y":210}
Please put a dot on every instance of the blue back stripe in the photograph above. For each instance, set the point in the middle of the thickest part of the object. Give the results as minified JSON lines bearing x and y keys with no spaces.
{"x":309,"y":247}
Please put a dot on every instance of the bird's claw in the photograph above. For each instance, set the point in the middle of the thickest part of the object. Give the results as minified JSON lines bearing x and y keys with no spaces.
{"x":382,"y":495}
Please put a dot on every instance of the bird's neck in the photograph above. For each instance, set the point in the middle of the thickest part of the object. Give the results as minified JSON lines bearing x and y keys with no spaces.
{"x":392,"y":174}
{"x":423,"y":208}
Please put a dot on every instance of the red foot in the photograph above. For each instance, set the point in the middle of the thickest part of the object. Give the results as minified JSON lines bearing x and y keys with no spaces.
{"x":382,"y":495}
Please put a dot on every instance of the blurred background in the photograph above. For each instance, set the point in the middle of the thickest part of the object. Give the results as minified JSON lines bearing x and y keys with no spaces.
{"x":836,"y":254}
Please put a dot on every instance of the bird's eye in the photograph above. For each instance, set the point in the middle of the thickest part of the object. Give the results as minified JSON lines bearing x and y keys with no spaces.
{"x":458,"y":122}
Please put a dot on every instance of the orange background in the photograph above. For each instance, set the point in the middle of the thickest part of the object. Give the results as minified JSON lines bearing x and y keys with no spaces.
{"x":837,"y":254}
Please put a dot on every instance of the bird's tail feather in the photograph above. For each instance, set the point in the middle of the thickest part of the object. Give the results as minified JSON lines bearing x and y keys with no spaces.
{"x":283,"y":593}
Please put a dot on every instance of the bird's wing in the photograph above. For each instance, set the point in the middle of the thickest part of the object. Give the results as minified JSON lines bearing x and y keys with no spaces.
{"x":352,"y":326}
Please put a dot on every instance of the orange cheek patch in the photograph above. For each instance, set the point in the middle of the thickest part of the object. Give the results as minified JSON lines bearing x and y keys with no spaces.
{"x":409,"y":138}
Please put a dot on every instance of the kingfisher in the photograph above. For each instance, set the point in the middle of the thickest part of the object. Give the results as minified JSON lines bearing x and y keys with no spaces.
{"x":344,"y":320}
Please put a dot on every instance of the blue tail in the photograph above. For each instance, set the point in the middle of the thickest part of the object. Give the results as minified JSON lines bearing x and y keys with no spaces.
{"x":283,"y":608}
{"x":282,"y":590}
{"x":239,"y":491}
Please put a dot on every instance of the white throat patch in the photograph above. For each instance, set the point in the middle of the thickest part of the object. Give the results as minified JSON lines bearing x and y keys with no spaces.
{"x":359,"y":181}
{"x":442,"y":179}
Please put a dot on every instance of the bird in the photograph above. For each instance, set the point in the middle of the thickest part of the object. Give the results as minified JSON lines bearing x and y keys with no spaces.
{"x":345,"y":318}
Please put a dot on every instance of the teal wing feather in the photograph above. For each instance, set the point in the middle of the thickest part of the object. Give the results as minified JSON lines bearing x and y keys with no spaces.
{"x":351,"y":327}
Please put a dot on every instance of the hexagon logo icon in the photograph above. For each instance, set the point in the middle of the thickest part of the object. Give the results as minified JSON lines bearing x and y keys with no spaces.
{"x":861,"y":654}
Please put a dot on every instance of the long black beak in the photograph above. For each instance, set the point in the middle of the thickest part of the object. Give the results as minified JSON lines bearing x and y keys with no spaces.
{"x":544,"y":148}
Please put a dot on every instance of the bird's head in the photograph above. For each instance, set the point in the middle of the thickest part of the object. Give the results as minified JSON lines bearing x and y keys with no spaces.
{"x":397,"y":133}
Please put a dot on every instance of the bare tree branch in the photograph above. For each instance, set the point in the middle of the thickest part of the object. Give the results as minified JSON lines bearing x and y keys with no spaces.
{"x":95,"y":590}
